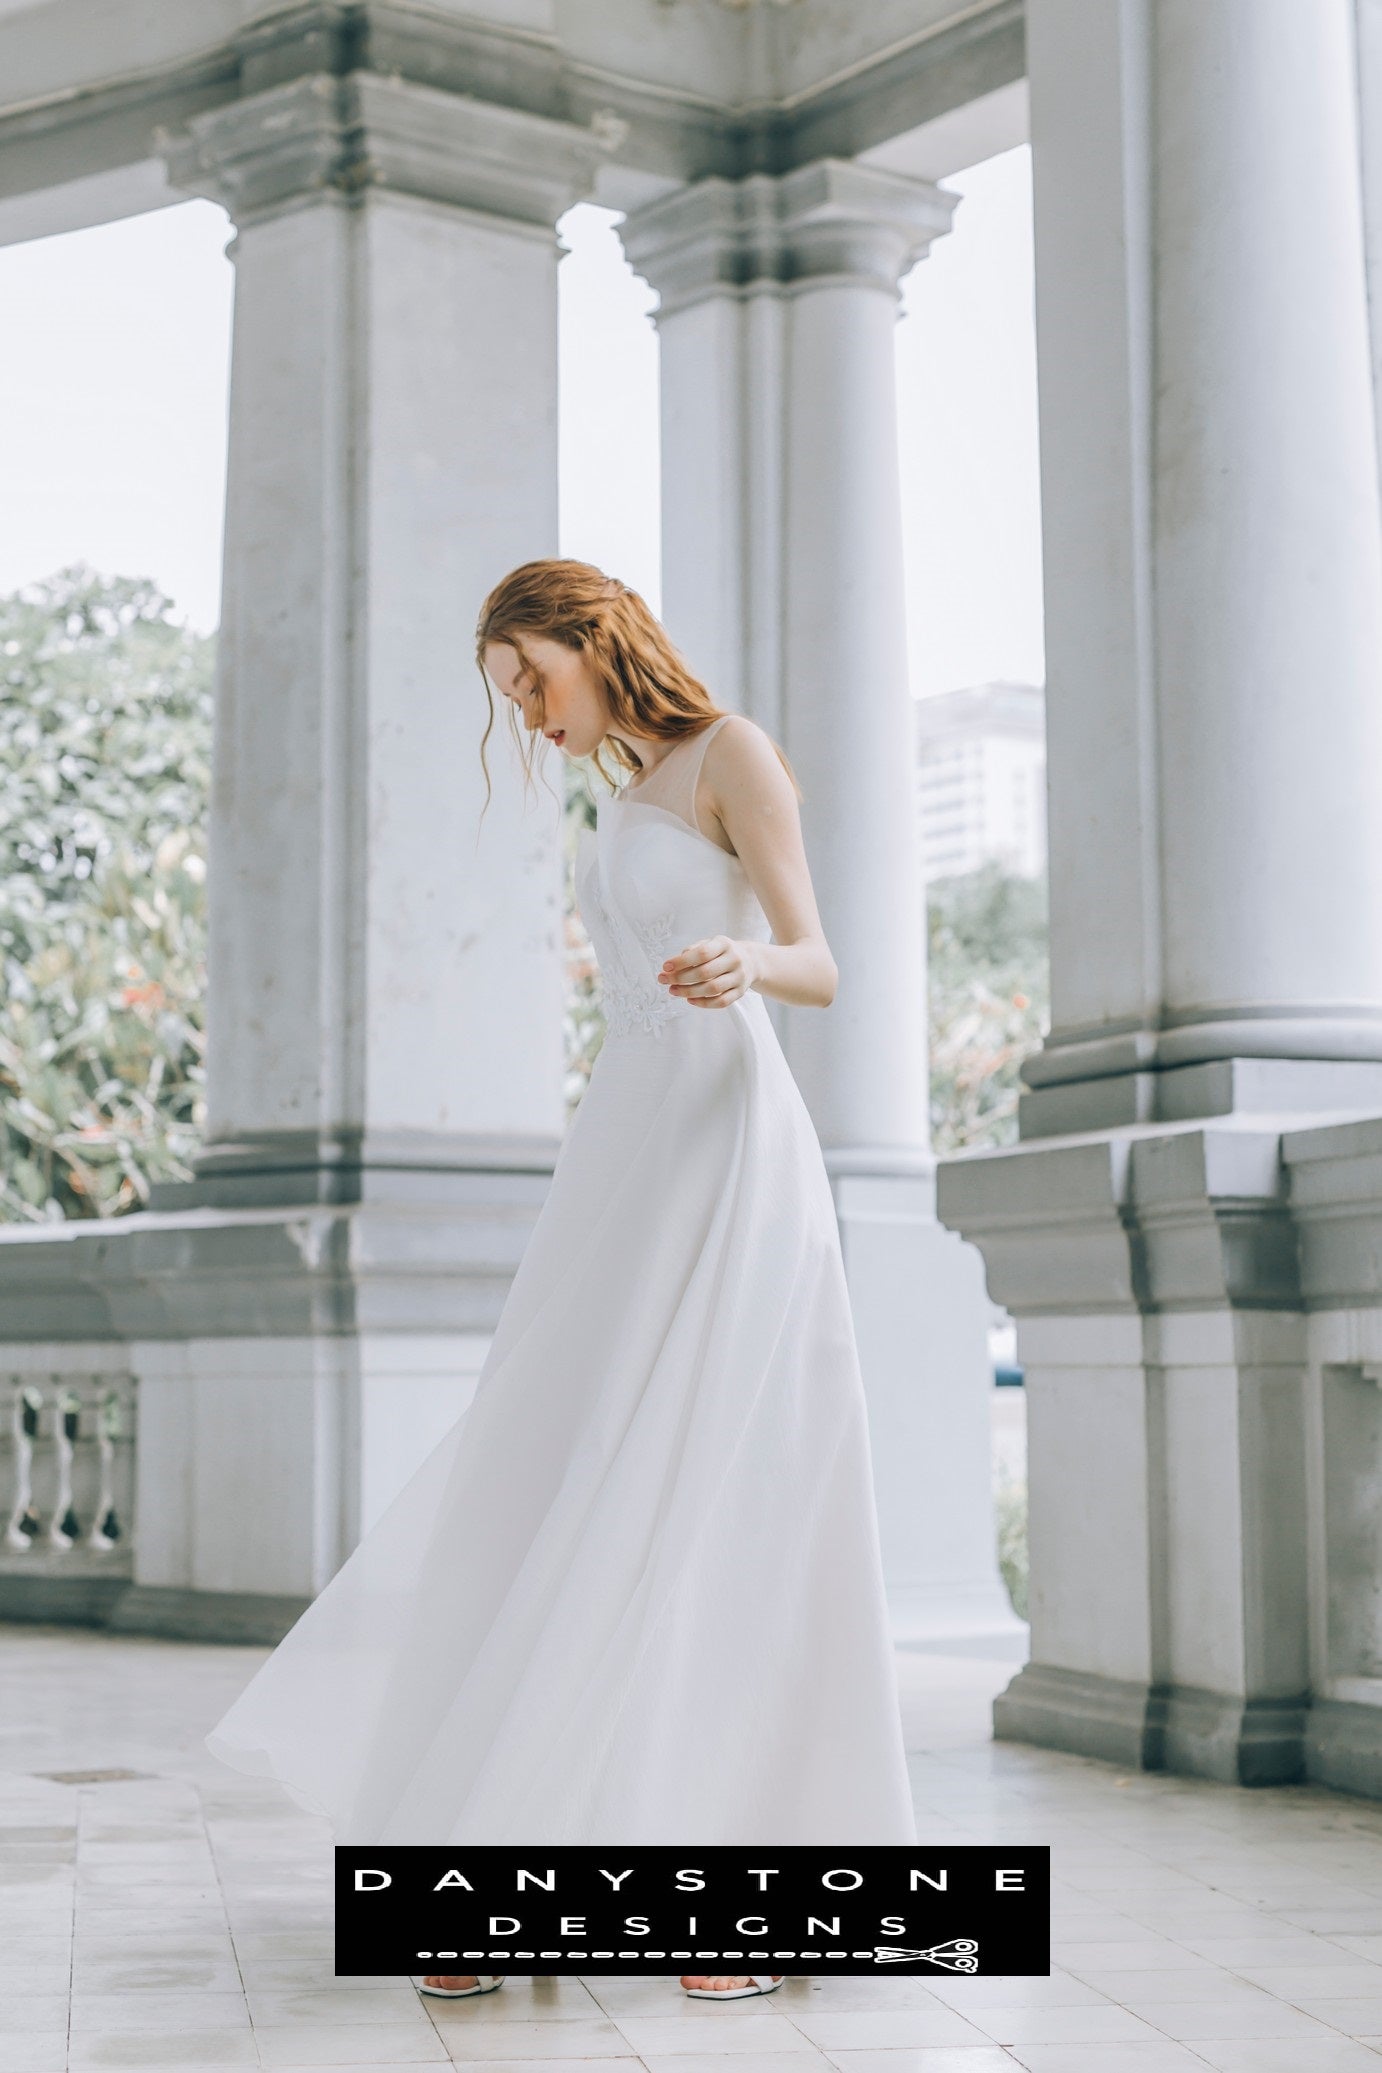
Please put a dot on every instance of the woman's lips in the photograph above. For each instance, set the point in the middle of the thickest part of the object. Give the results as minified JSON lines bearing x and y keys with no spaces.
{"x":559,"y":737}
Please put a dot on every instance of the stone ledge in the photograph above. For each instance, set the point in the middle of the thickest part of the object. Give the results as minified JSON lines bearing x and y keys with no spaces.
{"x":119,"y":1606}
{"x":230,"y":1273}
{"x":1142,"y":1219}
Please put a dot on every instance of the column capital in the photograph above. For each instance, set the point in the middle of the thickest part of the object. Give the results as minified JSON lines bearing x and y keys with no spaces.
{"x":323,"y":135}
{"x":831,"y":221}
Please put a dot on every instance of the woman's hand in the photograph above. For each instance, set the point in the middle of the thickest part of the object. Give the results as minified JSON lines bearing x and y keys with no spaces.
{"x":711,"y":974}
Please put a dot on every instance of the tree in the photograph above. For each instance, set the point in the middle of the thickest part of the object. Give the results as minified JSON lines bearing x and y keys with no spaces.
{"x":105,"y":750}
{"x":105,"y":773}
{"x":988,"y":1001}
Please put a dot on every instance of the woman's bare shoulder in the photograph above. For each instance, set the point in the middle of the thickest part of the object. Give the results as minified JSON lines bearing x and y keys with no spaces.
{"x":746,"y":783}
{"x":740,"y":748}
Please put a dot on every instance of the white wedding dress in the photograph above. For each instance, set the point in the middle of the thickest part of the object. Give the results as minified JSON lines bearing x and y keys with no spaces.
{"x":634,"y":1595}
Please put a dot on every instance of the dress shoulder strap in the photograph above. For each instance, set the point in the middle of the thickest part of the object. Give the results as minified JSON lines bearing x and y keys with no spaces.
{"x":672,"y":785}
{"x":695,"y":756}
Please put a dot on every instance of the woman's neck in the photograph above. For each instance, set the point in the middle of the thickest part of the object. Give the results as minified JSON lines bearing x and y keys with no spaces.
{"x":640,"y":744}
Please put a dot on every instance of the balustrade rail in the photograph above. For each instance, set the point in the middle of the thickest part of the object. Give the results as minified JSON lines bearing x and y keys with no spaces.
{"x":66,"y":1473}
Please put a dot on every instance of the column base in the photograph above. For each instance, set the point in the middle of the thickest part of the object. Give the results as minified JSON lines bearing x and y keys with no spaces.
{"x":1194,"y":1734}
{"x":1343,"y":1747}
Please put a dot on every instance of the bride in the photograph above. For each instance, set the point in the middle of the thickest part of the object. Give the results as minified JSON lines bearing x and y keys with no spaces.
{"x":635,"y":1594}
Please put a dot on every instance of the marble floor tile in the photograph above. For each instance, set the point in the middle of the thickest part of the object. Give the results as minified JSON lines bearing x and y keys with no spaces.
{"x":1108,"y":2058}
{"x":1058,"y":1989}
{"x":32,"y":2012}
{"x":942,"y":2058}
{"x":398,"y":2045}
{"x":143,"y":2051}
{"x":214,"y":2008}
{"x":742,"y":2062}
{"x":270,"y":2007}
{"x":581,"y":2037}
{"x":1236,"y":2016}
{"x":31,"y":2051}
{"x":1144,"y":1954}
{"x":1263,"y":2055}
{"x":887,"y":2029}
{"x":1334,"y":1982}
{"x":1193,"y":1925}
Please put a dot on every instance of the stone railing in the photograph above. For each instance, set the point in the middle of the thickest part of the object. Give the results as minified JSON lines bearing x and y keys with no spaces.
{"x":66,"y":1473}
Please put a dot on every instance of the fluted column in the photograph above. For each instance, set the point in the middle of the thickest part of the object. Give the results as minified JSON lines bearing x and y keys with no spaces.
{"x":385,"y":976}
{"x":782,"y":580}
{"x":783,"y":570}
{"x":1213,"y":564}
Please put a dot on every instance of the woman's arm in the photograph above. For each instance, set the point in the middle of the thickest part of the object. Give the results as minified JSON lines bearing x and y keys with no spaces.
{"x":751,"y":796}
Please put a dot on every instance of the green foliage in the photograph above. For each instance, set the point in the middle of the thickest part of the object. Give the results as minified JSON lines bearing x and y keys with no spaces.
{"x":105,"y":744}
{"x":105,"y":751}
{"x":988,"y":1002}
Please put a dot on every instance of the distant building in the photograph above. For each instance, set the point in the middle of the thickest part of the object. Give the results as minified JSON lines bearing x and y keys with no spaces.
{"x":981,"y":779}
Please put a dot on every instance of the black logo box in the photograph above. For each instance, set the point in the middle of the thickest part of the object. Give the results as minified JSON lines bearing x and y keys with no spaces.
{"x":880,"y":1911}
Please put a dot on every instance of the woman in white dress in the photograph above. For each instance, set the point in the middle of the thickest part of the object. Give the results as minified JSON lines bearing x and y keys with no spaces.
{"x":635,"y":1594}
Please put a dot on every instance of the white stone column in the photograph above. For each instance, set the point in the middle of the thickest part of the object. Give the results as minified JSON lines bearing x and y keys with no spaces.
{"x":384,"y":1018}
{"x":1213,"y":563}
{"x":783,"y":582}
{"x":385,"y":973}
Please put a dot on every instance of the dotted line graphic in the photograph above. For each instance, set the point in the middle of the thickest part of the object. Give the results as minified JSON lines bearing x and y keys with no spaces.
{"x":643,"y":1954}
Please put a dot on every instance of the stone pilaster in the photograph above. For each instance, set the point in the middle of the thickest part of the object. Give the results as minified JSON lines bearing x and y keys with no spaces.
{"x":385,"y":980}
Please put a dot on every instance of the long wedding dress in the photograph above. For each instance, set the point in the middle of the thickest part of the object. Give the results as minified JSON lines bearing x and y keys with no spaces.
{"x":634,"y":1595}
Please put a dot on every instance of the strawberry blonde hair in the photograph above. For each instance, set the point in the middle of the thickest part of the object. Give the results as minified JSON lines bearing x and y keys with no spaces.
{"x":645,"y":681}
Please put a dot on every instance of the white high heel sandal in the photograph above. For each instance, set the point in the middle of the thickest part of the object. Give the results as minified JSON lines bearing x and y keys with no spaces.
{"x":763,"y":1983}
{"x":485,"y":1983}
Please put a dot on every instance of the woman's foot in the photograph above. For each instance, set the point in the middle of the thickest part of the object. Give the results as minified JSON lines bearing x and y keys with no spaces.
{"x":722,"y":1982}
{"x":716,"y":1982}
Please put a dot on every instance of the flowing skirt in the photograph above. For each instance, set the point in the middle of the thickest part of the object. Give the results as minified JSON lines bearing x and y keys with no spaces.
{"x":634,"y":1595}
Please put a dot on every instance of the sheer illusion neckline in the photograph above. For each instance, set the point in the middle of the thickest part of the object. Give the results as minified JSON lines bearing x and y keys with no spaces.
{"x":669,"y":788}
{"x":646,"y":776}
{"x":622,"y":798}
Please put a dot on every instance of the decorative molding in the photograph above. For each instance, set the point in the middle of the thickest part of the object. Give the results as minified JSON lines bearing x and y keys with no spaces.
{"x":833,"y":220}
{"x":323,"y":135}
{"x":670,"y":134}
{"x":1131,"y":1222}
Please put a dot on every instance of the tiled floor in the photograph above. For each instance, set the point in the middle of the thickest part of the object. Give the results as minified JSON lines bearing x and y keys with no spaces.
{"x":180,"y":1917}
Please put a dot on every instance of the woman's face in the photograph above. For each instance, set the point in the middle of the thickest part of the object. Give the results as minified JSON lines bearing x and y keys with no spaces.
{"x":570,"y":710}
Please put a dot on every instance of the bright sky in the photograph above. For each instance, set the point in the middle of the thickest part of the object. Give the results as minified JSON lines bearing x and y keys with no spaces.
{"x":114,"y":358}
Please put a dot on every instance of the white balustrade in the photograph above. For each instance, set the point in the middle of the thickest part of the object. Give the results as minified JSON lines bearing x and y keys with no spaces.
{"x":66,"y":1472}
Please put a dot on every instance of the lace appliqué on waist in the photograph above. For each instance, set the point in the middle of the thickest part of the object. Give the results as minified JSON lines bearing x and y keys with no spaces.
{"x":631,"y":1003}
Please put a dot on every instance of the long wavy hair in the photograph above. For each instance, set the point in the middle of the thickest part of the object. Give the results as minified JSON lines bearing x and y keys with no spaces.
{"x":646,"y":682}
